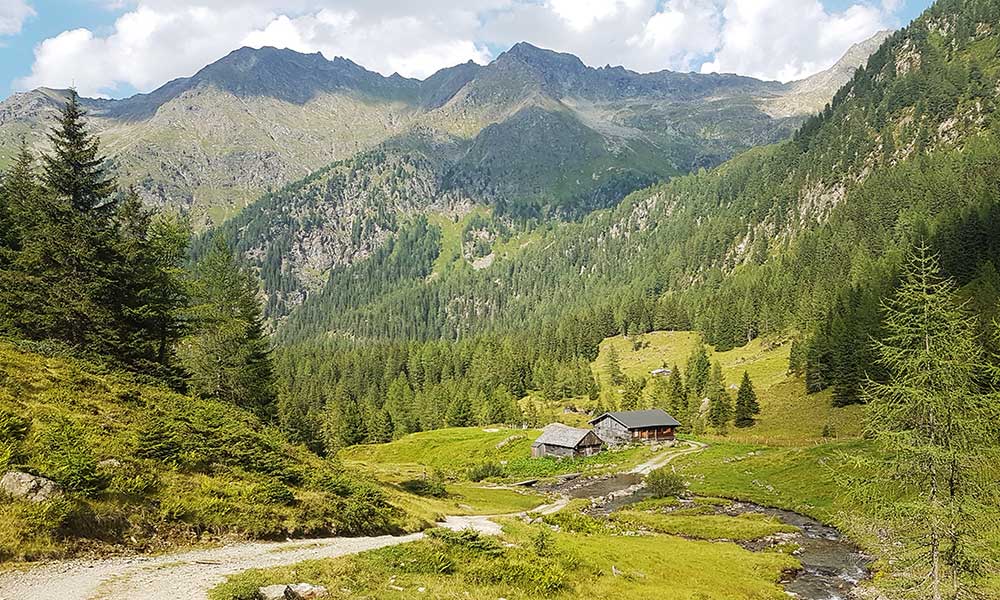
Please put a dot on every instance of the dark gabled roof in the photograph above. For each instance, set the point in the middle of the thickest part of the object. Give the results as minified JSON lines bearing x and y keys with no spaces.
{"x":557,"y":434}
{"x":636,"y":419}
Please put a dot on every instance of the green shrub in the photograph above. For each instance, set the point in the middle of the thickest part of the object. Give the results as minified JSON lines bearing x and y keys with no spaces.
{"x":576,"y":522}
{"x":130,"y":478}
{"x":663,"y":483}
{"x":468,"y":539}
{"x":65,"y":456}
{"x":272,"y":492}
{"x":485,"y":471}
{"x":338,"y":484}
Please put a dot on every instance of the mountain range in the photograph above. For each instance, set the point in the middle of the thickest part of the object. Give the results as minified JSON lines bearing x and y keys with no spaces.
{"x":533,"y":128}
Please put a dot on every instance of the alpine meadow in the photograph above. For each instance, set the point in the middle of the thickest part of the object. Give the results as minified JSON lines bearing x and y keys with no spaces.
{"x":720,"y":323}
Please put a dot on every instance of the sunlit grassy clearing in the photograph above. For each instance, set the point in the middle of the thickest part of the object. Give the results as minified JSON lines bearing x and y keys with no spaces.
{"x":454,"y":450}
{"x":788,"y":416}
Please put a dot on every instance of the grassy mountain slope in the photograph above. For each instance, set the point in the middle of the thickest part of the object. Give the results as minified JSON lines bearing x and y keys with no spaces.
{"x":789,"y":415}
{"x":143,"y":468}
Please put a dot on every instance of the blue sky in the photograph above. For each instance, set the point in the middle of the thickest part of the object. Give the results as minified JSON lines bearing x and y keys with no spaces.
{"x":117,"y":47}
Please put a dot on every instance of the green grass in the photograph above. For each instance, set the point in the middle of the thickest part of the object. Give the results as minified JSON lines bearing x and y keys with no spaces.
{"x":705,"y":527}
{"x":806,"y":480}
{"x":466,"y":499}
{"x":454,"y":450}
{"x":520,"y":567}
{"x":789,"y":416}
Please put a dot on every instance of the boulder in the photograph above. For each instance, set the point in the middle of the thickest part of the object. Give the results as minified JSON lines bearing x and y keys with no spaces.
{"x":272,"y":592}
{"x":25,"y":486}
{"x":305,"y":591}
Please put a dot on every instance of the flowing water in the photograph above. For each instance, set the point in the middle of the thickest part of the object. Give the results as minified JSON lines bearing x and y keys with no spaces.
{"x":831,"y":565}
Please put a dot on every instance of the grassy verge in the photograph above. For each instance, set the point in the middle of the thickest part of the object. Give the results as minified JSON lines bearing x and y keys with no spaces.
{"x":531,"y":561}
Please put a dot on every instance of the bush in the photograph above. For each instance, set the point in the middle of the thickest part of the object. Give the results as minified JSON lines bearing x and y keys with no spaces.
{"x":271,"y":492}
{"x":66,"y":457}
{"x":131,"y":478}
{"x":663,"y":483}
{"x":485,"y":471}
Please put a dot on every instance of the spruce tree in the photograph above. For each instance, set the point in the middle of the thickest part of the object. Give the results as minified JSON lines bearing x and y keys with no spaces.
{"x":460,"y":412}
{"x":227,"y":354}
{"x":720,"y":409}
{"x":614,"y":367}
{"x":746,"y":403}
{"x":934,"y":422}
{"x":19,"y":196}
{"x":74,"y":170}
{"x":678,"y":401}
{"x":698,"y":371}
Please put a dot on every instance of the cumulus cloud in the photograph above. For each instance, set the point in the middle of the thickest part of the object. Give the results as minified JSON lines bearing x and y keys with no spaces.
{"x":13,"y":14}
{"x":157,"y":40}
{"x":787,"y":40}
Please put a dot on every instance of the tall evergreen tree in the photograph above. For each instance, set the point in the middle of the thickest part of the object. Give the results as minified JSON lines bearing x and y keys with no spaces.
{"x":614,"y":367}
{"x":936,"y":424}
{"x":74,"y":171}
{"x":720,"y":408}
{"x":698,"y":371}
{"x":227,"y":353}
{"x":460,"y":413}
{"x":746,"y":403}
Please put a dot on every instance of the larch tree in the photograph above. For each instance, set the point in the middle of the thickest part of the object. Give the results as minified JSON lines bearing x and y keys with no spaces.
{"x":934,"y":423}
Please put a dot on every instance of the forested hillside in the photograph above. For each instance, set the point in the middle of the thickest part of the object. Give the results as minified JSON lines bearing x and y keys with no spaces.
{"x":804,"y":236}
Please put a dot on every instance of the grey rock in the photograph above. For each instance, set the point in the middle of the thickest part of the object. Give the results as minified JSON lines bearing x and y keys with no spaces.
{"x":25,"y":486}
{"x":272,"y":592}
{"x":305,"y":591}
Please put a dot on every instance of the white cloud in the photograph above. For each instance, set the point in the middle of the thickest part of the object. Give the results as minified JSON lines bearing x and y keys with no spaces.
{"x":789,"y":39}
{"x":13,"y":14}
{"x":157,"y":40}
{"x":581,"y":15}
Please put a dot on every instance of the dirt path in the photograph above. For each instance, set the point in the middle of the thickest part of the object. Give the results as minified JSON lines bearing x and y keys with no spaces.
{"x":664,"y":458}
{"x":189,"y":575}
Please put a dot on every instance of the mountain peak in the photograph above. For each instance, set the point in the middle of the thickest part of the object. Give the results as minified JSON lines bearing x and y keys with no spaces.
{"x":542,"y":58}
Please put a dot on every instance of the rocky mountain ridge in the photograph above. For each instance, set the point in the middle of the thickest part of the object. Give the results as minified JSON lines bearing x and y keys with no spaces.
{"x":260,"y":118}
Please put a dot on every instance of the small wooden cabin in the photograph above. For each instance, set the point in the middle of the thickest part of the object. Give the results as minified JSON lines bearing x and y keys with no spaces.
{"x":635,"y":426}
{"x":563,"y":441}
